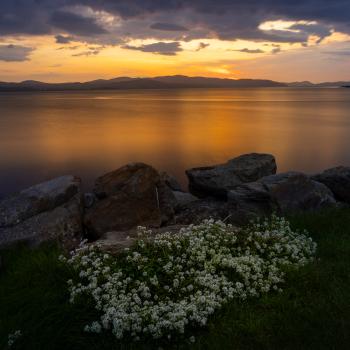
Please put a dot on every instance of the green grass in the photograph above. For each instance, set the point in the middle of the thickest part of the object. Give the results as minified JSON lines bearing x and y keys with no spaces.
{"x":313,"y":311}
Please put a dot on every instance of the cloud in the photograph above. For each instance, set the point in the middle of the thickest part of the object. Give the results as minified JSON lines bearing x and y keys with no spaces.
{"x":90,"y":50}
{"x":202,"y":46}
{"x":110,"y":21}
{"x":340,"y":53}
{"x":276,"y":50}
{"x":168,"y":27}
{"x":87,"y":53}
{"x":15,"y":53}
{"x":321,"y":31}
{"x":69,"y":47}
{"x":160,"y":48}
{"x":246,"y":50}
{"x":63,"y":39}
{"x":75,"y":24}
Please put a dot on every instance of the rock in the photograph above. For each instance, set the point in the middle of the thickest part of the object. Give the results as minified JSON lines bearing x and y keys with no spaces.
{"x":62,"y":224}
{"x":285,"y":193}
{"x":170,"y":181}
{"x":295,"y":191}
{"x":337,"y":180}
{"x":217,"y":180}
{"x":37,"y":199}
{"x":130,"y":196}
{"x":183,"y":198}
{"x":116,"y":241}
{"x":202,"y":209}
{"x":252,"y":200}
{"x":48,"y":211}
{"x":89,"y":199}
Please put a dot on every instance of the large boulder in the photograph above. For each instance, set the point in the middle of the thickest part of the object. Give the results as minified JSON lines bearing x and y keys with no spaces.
{"x":37,"y":199}
{"x":48,"y":211}
{"x":251,"y":200}
{"x":217,"y":180}
{"x":183,"y":199}
{"x":62,"y":224}
{"x":337,"y":180}
{"x":170,"y":181}
{"x":285,"y":193}
{"x":130,"y":196}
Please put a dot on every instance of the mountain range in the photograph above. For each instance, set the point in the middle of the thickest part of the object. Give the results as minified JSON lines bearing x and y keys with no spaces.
{"x":162,"y":82}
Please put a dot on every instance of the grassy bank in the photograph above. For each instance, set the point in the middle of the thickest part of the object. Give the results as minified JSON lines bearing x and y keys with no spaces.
{"x":313,"y":312}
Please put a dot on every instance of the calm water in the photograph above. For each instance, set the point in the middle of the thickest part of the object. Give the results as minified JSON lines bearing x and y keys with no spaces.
{"x":43,"y":135}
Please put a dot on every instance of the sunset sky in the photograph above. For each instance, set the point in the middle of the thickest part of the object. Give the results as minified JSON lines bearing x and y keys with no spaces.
{"x":80,"y":40}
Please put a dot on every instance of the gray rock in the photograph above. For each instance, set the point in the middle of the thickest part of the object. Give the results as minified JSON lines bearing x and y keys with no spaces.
{"x":62,"y":224}
{"x":295,"y":191}
{"x":337,"y":180}
{"x":130,"y":196}
{"x":170,"y":181}
{"x":89,"y":199}
{"x":202,"y":209}
{"x":217,"y":180}
{"x":115,"y":242}
{"x":37,"y":199}
{"x":285,"y":193}
{"x":183,"y":198}
{"x":251,"y":200}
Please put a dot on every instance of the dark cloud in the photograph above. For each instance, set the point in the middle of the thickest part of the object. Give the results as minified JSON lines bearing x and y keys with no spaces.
{"x":339,"y":52}
{"x":63,"y":39}
{"x":75,"y":24}
{"x":321,"y":31}
{"x":90,"y":51}
{"x":15,"y":53}
{"x":250,"y":50}
{"x":276,"y":50}
{"x":69,"y":47}
{"x":202,"y":46}
{"x":87,"y":53}
{"x":160,"y":48}
{"x":224,"y":19}
{"x":168,"y":27}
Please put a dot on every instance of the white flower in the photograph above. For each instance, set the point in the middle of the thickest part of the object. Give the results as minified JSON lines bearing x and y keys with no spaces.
{"x":12,"y":338}
{"x":180,"y":279}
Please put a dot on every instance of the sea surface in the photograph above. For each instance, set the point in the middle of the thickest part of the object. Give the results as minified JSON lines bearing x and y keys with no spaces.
{"x":47,"y":134}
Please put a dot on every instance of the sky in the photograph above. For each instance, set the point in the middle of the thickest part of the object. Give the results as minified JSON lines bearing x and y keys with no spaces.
{"x":81,"y":40}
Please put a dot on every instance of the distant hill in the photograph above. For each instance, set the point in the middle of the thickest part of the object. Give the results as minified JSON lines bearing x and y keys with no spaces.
{"x":324,"y":85}
{"x":163,"y":82}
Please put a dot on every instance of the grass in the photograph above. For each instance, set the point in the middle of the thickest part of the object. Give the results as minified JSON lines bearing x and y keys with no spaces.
{"x":313,"y":312}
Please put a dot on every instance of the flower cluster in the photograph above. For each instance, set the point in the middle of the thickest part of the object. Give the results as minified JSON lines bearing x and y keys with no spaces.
{"x":163,"y":284}
{"x":12,"y":338}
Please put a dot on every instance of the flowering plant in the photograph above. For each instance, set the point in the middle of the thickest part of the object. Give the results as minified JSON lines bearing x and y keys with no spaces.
{"x":166,"y":283}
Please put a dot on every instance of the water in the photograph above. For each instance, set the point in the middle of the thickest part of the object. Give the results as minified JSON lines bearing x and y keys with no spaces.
{"x":47,"y":134}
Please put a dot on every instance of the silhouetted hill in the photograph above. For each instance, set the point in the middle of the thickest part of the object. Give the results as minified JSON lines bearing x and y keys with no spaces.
{"x":324,"y":85}
{"x":163,"y":82}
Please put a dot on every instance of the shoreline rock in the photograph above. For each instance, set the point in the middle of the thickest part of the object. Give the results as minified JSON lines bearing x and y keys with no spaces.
{"x":130,"y":196}
{"x":51,"y":210}
{"x":284,"y":193}
{"x":217,"y":180}
{"x":337,"y":180}
{"x":138,"y":195}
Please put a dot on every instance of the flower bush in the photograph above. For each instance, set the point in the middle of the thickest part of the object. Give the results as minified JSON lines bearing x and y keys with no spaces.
{"x":167,"y":283}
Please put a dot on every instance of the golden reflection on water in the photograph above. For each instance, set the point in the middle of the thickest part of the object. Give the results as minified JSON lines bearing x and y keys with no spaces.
{"x":87,"y":133}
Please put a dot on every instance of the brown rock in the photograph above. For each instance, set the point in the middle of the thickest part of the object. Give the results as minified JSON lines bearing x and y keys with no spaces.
{"x":129,"y":196}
